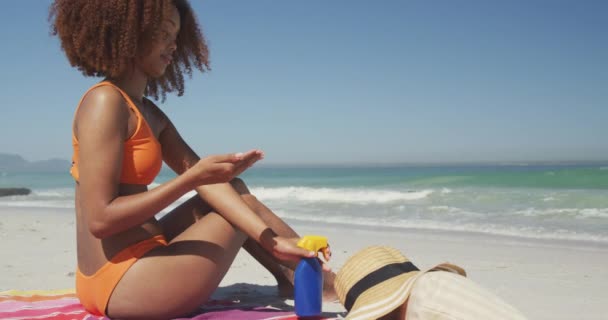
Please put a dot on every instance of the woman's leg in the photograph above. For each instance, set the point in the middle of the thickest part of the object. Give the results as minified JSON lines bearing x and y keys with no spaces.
{"x":283,"y":229}
{"x":195,"y":208}
{"x":175,"y":280}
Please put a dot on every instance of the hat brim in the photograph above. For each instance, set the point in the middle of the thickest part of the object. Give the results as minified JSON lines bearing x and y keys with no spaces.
{"x":383,"y":298}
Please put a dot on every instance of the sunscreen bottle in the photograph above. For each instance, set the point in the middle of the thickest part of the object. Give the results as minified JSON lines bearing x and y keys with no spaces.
{"x":308,"y":279}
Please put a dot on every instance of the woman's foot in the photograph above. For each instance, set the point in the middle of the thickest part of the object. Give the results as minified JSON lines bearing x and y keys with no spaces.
{"x":285,"y":289}
{"x":285,"y":282}
{"x":329,"y":293}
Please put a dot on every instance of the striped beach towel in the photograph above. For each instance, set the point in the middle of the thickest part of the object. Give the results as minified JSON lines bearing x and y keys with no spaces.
{"x":63,"y":305}
{"x":42,"y":304}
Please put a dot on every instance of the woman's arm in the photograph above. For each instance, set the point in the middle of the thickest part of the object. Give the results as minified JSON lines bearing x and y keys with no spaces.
{"x":102,"y":127}
{"x":180,"y":157}
{"x":222,"y":196}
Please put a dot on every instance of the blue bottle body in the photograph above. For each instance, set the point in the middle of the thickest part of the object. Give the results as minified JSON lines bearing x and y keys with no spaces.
{"x":308,"y":288}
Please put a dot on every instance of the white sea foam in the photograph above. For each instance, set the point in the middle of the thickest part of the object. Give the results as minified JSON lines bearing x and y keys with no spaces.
{"x":444,"y":209}
{"x":565,"y":212}
{"x":486,"y":228}
{"x":38,"y":204}
{"x":154,"y":185}
{"x":54,"y":193}
{"x":559,"y":214}
{"x":47,"y":198}
{"x":594,"y":213}
{"x":338,"y":195}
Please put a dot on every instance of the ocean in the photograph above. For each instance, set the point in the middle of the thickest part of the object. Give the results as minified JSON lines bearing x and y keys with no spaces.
{"x":566,"y":202}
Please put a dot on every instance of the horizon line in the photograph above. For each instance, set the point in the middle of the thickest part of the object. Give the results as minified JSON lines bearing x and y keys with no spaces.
{"x":392,"y":163}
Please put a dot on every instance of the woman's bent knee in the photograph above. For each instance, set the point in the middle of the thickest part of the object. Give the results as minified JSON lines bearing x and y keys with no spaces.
{"x":239,"y":185}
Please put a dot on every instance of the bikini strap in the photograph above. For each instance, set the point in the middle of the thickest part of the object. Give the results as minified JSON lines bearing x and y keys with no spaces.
{"x":130,"y":103}
{"x":108,"y":83}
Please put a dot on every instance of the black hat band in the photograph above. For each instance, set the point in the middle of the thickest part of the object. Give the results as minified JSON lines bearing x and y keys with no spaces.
{"x":372,"y":279}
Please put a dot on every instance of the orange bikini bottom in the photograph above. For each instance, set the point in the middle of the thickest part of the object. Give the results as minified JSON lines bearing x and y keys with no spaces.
{"x":94,"y":291}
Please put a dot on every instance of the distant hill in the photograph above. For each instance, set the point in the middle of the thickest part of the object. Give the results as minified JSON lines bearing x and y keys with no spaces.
{"x":16,"y":163}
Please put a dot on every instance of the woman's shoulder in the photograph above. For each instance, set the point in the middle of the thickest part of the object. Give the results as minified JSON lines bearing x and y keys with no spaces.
{"x":100,"y":103}
{"x":105,"y":98}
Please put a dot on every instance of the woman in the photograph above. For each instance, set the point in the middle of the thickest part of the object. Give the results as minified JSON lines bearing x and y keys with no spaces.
{"x":131,"y":265}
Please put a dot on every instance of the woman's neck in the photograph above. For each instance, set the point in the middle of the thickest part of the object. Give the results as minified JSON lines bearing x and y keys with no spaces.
{"x":134,"y":84}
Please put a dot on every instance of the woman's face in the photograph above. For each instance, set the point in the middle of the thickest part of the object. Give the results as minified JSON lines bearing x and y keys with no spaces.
{"x":159,"y":54}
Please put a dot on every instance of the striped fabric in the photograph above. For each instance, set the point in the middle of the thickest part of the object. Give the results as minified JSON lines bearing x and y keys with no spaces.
{"x":63,"y":305}
{"x":39,"y":304}
{"x":448,"y":296}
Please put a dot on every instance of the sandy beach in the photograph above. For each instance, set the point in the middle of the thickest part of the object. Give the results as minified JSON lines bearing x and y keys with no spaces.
{"x":544,"y":279}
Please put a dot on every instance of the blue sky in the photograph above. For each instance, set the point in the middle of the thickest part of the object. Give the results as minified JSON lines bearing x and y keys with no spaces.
{"x":351,"y":81}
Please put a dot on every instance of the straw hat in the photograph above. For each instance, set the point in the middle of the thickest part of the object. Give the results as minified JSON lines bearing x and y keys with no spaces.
{"x":377,"y":280}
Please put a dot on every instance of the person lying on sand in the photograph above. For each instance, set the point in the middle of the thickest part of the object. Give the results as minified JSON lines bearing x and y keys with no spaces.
{"x":379,"y":282}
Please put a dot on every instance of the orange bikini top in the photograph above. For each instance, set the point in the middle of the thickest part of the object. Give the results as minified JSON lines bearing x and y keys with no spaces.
{"x":142,"y":156}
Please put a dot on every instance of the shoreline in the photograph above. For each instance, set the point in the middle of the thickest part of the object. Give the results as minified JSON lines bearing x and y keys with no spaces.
{"x":545,"y":279}
{"x":468,"y":234}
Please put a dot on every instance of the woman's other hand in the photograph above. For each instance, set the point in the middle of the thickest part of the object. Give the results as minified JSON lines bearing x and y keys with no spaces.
{"x":223,"y":168}
{"x":287,"y":249}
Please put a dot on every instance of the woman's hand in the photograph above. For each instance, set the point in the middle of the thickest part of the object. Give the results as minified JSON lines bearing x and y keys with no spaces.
{"x":222,"y":168}
{"x":287,"y":249}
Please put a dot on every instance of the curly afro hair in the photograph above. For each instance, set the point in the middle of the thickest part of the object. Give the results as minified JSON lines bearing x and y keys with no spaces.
{"x":101,"y":38}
